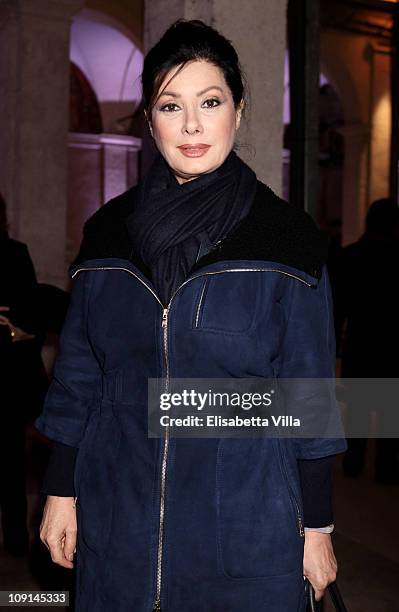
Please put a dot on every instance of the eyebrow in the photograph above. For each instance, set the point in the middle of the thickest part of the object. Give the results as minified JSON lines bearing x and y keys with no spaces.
{"x":176,"y":95}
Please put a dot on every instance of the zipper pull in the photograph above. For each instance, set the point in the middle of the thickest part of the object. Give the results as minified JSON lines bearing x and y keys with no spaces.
{"x":165,"y":317}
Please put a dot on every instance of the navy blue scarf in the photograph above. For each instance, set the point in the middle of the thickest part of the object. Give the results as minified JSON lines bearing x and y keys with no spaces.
{"x":170,"y":220}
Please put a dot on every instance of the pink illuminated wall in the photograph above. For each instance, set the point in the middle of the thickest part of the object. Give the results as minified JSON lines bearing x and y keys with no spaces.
{"x":102,"y":165}
{"x":112,"y":63}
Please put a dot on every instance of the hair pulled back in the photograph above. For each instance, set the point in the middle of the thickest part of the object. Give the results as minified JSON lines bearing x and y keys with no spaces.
{"x":185,"y":41}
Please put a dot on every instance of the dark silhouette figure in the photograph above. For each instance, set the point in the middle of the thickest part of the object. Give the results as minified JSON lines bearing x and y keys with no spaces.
{"x":23,"y":381}
{"x":367,"y":329}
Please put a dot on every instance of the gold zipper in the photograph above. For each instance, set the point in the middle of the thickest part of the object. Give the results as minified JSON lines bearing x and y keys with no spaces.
{"x":290,"y":491}
{"x":302,"y":280}
{"x":124,"y":270}
{"x":157,"y":603}
{"x":300,"y":524}
{"x":199,"y":303}
{"x":165,"y":313}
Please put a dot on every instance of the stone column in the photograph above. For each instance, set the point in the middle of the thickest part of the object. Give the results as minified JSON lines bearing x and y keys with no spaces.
{"x":34,"y":116}
{"x":101,"y":166}
{"x":262,"y":57}
{"x":304,"y":43}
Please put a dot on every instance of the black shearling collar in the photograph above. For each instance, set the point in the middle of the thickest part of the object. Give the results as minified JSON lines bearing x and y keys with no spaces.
{"x":273,"y":230}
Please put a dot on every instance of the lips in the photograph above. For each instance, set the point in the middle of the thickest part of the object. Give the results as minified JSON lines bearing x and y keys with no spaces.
{"x":194,"y":146}
{"x":194,"y":150}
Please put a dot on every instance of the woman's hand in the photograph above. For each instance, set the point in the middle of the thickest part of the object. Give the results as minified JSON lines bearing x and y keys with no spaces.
{"x":58,"y":529}
{"x":319,"y":562}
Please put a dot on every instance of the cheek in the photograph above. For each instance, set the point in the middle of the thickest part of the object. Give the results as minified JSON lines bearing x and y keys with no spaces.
{"x":225,"y":132}
{"x":225,"y":124}
{"x":164,"y":131}
{"x":165,"y":140}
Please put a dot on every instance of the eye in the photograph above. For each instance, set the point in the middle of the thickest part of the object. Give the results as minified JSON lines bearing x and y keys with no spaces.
{"x":166,"y":107}
{"x":212,"y":100}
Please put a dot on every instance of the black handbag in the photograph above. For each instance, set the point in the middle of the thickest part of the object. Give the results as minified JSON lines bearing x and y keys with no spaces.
{"x":315,"y":606}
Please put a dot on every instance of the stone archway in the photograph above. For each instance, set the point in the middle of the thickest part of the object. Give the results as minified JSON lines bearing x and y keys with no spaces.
{"x":110,"y":59}
{"x":105,"y":93}
{"x":84,"y":110}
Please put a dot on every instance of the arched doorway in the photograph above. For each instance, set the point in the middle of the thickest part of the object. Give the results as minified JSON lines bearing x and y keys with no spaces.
{"x":112,"y":63}
{"x":105,"y":93}
{"x":84,"y":110}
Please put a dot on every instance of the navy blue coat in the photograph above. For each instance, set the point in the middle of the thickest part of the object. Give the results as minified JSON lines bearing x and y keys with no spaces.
{"x":190,"y":525}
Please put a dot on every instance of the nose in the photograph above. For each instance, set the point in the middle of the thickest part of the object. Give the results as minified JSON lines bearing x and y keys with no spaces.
{"x":191,"y":124}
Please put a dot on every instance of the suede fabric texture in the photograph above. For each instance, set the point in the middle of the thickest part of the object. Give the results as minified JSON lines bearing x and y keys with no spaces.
{"x":249,"y":308}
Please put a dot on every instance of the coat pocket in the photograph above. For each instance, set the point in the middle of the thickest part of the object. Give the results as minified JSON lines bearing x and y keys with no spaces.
{"x":96,"y":474}
{"x":257,"y":535}
{"x":227,"y":302}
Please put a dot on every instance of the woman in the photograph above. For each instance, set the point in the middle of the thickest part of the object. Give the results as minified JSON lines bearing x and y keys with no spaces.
{"x":200,"y":271}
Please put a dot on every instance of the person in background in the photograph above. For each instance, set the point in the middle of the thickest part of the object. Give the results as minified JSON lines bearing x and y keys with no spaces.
{"x":23,"y":381}
{"x":367,"y":332}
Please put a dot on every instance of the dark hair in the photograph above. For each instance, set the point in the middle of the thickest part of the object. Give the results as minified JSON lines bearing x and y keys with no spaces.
{"x":3,"y":218}
{"x":185,"y":41}
{"x":382,"y":216}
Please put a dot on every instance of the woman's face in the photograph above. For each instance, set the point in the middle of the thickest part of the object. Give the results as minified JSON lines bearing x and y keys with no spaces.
{"x":195,"y":109}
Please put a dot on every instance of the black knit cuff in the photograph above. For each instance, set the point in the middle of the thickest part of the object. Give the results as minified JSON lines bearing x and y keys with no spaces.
{"x":316,"y":485}
{"x":59,"y":476}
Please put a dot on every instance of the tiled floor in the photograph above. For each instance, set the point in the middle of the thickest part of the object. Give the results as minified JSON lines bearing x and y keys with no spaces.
{"x":366,"y":543}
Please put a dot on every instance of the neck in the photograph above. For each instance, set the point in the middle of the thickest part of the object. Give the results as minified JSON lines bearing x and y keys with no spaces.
{"x":181,"y":179}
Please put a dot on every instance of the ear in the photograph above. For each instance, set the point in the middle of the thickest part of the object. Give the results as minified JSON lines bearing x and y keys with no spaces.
{"x":239,"y":113}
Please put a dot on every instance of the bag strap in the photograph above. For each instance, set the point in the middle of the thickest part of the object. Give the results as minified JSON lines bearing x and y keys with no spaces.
{"x":312,"y":604}
{"x":335,"y":595}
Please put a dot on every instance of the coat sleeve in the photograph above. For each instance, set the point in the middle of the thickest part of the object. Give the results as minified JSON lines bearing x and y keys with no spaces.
{"x":308,"y":352}
{"x":76,"y":385}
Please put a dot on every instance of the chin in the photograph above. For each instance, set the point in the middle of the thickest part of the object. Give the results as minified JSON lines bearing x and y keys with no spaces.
{"x":195,"y":166}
